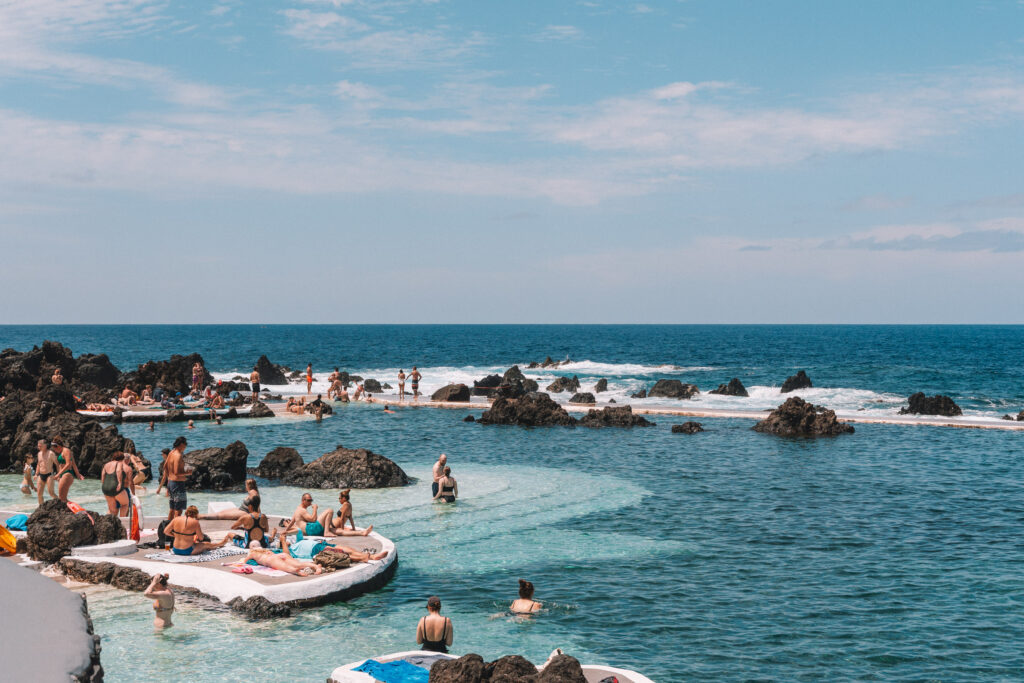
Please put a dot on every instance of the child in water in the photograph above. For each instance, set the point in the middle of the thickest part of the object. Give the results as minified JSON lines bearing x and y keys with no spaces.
{"x":28,"y":481}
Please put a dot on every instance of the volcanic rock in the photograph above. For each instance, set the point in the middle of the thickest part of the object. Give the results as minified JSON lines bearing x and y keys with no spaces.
{"x":175,"y":415}
{"x":260,"y":409}
{"x":96,"y":370}
{"x":562,"y":669}
{"x":173,"y":374}
{"x":797,"y":417}
{"x":347,"y":468}
{"x":220,"y":469}
{"x":88,"y":572}
{"x":733,"y":388}
{"x":919,"y":404}
{"x":798,"y":381}
{"x":130,"y":579}
{"x":564,"y":384}
{"x":672,"y":388}
{"x":532,"y":410}
{"x":53,"y":530}
{"x":619,"y":416}
{"x":326,"y":407}
{"x":466,"y":669}
{"x":487,"y":385}
{"x":227,"y":386}
{"x":372,"y":386}
{"x":279,"y":462}
{"x":451,"y":393}
{"x":258,"y":607}
{"x":269,"y":372}
{"x":510,"y":669}
{"x":687,"y":428}
{"x":585,"y":397}
{"x":469,"y":418}
{"x":513,"y":374}
{"x":640,"y":394}
{"x":602,"y":385}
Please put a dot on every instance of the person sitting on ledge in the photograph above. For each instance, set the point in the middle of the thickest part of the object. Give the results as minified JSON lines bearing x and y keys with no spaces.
{"x":251,"y":491}
{"x":335,"y":526}
{"x":254,"y":523}
{"x":342,"y":395}
{"x":307,"y":517}
{"x":188,"y":535}
{"x":128,"y":397}
{"x":147,"y":395}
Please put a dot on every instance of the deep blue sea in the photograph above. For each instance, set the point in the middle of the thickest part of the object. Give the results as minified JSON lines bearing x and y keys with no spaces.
{"x":893,"y":553}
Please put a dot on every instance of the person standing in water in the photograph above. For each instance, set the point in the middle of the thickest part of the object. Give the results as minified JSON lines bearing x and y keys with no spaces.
{"x":434,"y":632}
{"x":67,"y":468}
{"x":448,"y":487}
{"x":46,"y":467}
{"x":163,"y":600}
{"x":309,"y":379}
{"x":28,"y":480}
{"x":254,"y":379}
{"x":414,"y":379}
{"x":438,"y":472}
{"x":401,"y":384}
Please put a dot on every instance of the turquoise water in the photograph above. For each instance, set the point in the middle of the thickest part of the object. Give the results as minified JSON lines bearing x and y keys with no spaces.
{"x":890,"y":554}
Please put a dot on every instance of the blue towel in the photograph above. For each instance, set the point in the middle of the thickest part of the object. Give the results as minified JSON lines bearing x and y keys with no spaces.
{"x":394,"y":672}
{"x":306,"y":549}
{"x":17,"y":523}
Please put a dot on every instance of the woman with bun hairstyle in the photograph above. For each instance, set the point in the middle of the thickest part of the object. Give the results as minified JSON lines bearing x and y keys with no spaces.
{"x":525,"y":603}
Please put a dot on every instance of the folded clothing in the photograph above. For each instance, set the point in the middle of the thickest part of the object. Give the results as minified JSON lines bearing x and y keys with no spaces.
{"x":17,"y":522}
{"x":397,"y":671}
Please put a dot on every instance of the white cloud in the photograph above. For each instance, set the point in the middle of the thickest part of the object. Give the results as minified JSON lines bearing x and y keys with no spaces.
{"x":357,"y":91}
{"x":554,"y":33}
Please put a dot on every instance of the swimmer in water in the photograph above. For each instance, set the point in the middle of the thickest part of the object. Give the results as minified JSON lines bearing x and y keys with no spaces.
{"x":525,"y":604}
{"x":387,"y":409}
{"x":191,"y":425}
{"x":163,"y":601}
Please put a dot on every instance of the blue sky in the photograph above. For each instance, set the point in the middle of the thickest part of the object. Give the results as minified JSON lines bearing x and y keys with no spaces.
{"x":483,"y":161}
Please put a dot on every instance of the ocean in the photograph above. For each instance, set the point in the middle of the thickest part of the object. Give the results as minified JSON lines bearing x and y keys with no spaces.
{"x":890,"y":554}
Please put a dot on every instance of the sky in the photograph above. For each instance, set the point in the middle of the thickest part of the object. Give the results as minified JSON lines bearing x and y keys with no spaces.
{"x":485,"y":161}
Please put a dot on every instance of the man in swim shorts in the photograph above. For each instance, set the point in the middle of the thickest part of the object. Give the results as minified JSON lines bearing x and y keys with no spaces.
{"x":414,"y":379}
{"x":175,"y":477}
{"x":438,"y":473}
{"x":306,"y":519}
{"x":254,"y":378}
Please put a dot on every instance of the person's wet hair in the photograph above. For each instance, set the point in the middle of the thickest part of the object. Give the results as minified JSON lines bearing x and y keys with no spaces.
{"x":525,"y":589}
{"x":434,"y":603}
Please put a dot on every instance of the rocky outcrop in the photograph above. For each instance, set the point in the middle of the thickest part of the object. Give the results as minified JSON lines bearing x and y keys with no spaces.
{"x":53,"y":530}
{"x":619,"y":416}
{"x":485,"y":386}
{"x":640,"y":394}
{"x":372,"y":386}
{"x":260,"y":409}
{"x":797,"y":417}
{"x":269,"y":372}
{"x":513,"y":374}
{"x":600,"y":386}
{"x":564,"y":384}
{"x":452,"y":393}
{"x":919,"y":404}
{"x":258,"y":608}
{"x":733,"y":388}
{"x":798,"y":381}
{"x":219,"y":469}
{"x":584,"y":397}
{"x":472,"y":668}
{"x":173,"y":374}
{"x":548,"y":363}
{"x":469,"y":418}
{"x":279,"y":462}
{"x":347,"y":468}
{"x":672,"y":388}
{"x":687,"y":428}
{"x":532,"y":410}
{"x":325,"y":408}
{"x":225,"y":387}
{"x":97,"y":371}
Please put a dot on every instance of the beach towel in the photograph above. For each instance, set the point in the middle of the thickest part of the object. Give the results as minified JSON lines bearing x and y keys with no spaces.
{"x":17,"y":522}
{"x":394,"y":672}
{"x":258,"y":568}
{"x":307,"y":548}
{"x":215,"y":554}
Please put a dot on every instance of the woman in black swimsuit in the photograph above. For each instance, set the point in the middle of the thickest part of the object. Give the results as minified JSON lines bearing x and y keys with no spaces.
{"x":116,"y":481}
{"x":434,"y":632}
{"x":254,"y":523}
{"x":67,"y":468}
{"x":447,"y":487}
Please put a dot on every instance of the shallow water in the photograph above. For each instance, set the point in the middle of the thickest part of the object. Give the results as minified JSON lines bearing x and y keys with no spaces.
{"x":890,"y":554}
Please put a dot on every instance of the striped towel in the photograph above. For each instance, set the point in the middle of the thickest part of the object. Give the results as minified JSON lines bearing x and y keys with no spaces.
{"x":215,"y":554}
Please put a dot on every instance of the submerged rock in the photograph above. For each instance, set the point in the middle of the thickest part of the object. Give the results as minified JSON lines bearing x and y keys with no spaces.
{"x":279,"y":462}
{"x":269,"y":372}
{"x":564,"y":384}
{"x":919,"y":404}
{"x":620,"y":416}
{"x":220,"y":469}
{"x":733,"y":388}
{"x":585,"y":397}
{"x":797,"y":417}
{"x":452,"y":393}
{"x":469,"y":418}
{"x":672,"y":388}
{"x":258,"y":607}
{"x":601,"y":385}
{"x":687,"y":428}
{"x":348,"y":468}
{"x":532,"y":410}
{"x":798,"y":381}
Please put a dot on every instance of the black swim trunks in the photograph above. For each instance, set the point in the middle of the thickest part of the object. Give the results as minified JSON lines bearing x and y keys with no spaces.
{"x":255,"y":387}
{"x":177,"y":497}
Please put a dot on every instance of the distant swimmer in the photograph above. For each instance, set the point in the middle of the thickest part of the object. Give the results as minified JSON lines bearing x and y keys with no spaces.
{"x":151,"y":427}
{"x":163,"y":600}
{"x":387,"y":409}
{"x":401,"y":385}
{"x":438,"y":472}
{"x":525,"y":603}
{"x":343,"y":396}
{"x":191,"y":425}
{"x":414,"y":379}
{"x":309,"y":378}
{"x":448,"y":488}
{"x":254,"y":379}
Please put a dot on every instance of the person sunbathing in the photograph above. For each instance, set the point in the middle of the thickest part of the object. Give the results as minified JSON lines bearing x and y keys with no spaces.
{"x":217,"y":401}
{"x":335,"y":525}
{"x":128,"y":397}
{"x":147,"y":395}
{"x":99,"y":407}
{"x":188,"y":535}
{"x":283,"y":562}
{"x":353,"y":554}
